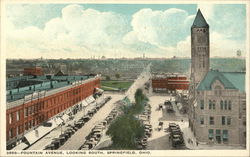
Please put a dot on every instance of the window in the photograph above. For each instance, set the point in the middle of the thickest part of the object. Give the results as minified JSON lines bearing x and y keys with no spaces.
{"x":225,"y":135}
{"x":26,"y":112}
{"x":201,"y":120}
{"x":223,"y":120}
{"x":210,"y":104}
{"x":214,"y":102}
{"x":228,"y":120}
{"x":202,"y":104}
{"x":30,"y":124}
{"x":229,"y":105}
{"x":217,"y":91}
{"x":29,"y":109}
{"x":10,"y":118}
{"x":17,"y":130}
{"x":20,"y":129}
{"x":17,"y":116}
{"x":26,"y":126}
{"x":211,"y":120}
{"x":11,"y":131}
{"x":210,"y":134}
{"x":217,"y":132}
{"x":225,"y":104}
{"x":221,"y":104}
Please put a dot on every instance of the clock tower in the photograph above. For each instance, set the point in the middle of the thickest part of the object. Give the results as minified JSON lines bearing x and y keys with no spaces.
{"x":199,"y":49}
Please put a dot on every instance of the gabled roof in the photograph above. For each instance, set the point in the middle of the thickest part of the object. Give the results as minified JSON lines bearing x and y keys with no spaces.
{"x":230,"y":80}
{"x":199,"y":21}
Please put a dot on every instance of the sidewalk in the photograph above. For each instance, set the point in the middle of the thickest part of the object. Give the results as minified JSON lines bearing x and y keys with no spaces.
{"x":46,"y":140}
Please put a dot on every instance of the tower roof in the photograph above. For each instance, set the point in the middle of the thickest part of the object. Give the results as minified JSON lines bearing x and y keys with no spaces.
{"x":199,"y":21}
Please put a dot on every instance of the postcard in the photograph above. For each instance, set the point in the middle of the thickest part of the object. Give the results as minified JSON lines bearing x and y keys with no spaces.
{"x":127,"y":78}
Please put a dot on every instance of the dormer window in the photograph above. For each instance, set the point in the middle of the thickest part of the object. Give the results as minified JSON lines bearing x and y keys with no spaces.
{"x":217,"y":90}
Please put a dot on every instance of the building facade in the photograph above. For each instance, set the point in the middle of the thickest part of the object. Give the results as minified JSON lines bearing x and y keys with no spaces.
{"x":217,"y":100}
{"x":219,"y":114}
{"x":35,"y":71}
{"x":199,"y":48}
{"x":170,"y":83}
{"x":31,"y":106}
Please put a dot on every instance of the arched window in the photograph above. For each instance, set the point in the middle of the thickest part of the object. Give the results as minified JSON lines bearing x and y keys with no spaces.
{"x":210,"y":104}
{"x":225,"y":104}
{"x":214,"y":102}
{"x":229,"y":105}
{"x":221,"y":104}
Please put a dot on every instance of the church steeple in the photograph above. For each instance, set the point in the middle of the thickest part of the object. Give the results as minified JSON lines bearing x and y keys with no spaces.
{"x":199,"y":21}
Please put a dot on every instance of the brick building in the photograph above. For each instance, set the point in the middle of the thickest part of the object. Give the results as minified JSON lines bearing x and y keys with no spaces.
{"x":169,"y":83}
{"x":35,"y":71}
{"x":32,"y":106}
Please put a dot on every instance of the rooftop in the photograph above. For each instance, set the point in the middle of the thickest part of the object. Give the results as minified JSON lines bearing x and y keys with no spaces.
{"x":230,"y":80}
{"x":40,"y":83}
{"x":199,"y":21}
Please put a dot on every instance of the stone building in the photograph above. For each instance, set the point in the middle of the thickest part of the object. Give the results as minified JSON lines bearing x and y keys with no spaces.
{"x":217,"y":100}
{"x":199,"y":50}
{"x":219,"y":113}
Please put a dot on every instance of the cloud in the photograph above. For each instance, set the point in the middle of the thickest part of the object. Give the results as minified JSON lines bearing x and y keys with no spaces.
{"x":89,"y":30}
{"x":94,"y":29}
{"x":219,"y":46}
{"x":84,"y":32}
{"x":160,"y":28}
{"x":207,"y":10}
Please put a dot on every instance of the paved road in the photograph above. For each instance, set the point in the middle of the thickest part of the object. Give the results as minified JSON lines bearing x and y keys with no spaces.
{"x":159,"y":139}
{"x":78,"y":138}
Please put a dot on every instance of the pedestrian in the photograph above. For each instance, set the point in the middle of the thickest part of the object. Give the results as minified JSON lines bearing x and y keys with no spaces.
{"x":197,"y":143}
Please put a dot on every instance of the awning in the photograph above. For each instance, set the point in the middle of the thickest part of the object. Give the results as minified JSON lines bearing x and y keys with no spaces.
{"x":84,"y":103}
{"x":38,"y":133}
{"x":65,"y":117}
{"x":87,"y":100}
{"x":90,"y":99}
{"x":21,"y":146}
{"x":99,"y":90}
{"x":58,"y":121}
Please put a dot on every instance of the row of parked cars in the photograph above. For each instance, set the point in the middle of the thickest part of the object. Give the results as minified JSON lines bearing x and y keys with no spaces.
{"x":145,"y":118}
{"x":176,"y":135}
{"x":97,"y":132}
{"x":71,"y":129}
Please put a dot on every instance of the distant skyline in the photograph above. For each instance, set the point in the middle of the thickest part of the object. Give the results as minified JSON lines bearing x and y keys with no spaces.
{"x":119,"y":30}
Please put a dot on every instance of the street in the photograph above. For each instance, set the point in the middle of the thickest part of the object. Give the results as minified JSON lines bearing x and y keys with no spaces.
{"x":160,"y":139}
{"x":78,"y":138}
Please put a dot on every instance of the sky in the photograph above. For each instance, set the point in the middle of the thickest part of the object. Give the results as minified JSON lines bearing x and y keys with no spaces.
{"x":119,"y":30}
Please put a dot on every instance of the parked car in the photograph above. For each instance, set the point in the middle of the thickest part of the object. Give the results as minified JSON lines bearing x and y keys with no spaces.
{"x":56,"y":143}
{"x":50,"y":147}
{"x":160,"y":126}
{"x":86,"y":118}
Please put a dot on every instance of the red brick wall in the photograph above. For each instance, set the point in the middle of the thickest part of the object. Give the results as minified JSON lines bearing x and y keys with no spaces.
{"x":171,"y":83}
{"x":45,"y":108}
{"x":37,"y":71}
